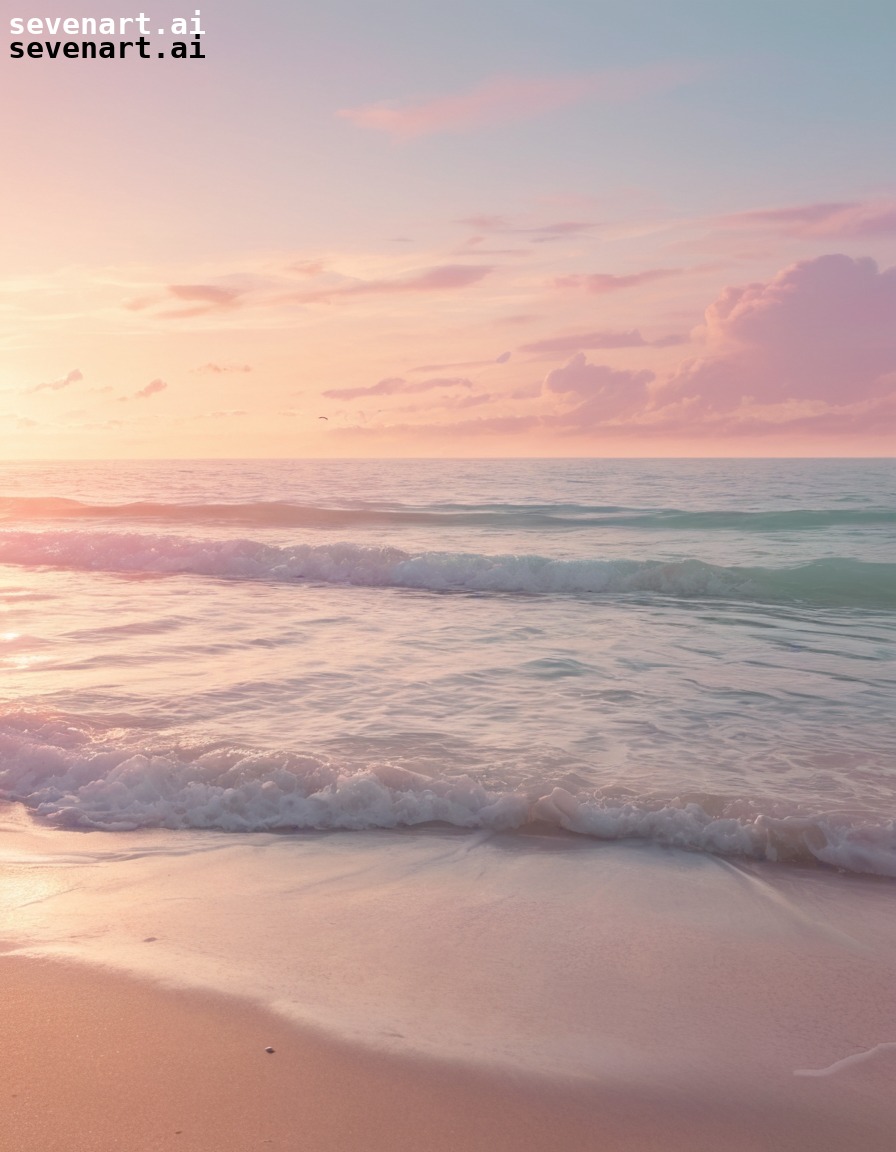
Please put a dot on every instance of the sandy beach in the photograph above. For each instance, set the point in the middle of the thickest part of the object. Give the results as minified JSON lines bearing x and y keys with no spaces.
{"x":430,"y":993}
{"x":97,"y":1062}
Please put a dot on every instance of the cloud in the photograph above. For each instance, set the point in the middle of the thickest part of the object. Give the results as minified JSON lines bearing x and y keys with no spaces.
{"x":445,"y":277}
{"x":580,"y":340}
{"x":210,"y":294}
{"x":810,"y":353}
{"x":540,"y":232}
{"x":823,"y":331}
{"x":455,"y":430}
{"x":308,"y":268}
{"x":829,"y":220}
{"x":218,"y":369}
{"x":604,"y":393}
{"x":557,"y":346}
{"x":19,"y":420}
{"x":600,"y":283}
{"x":397,"y":385}
{"x":449,"y":403}
{"x":151,"y":389}
{"x":55,"y":385}
{"x":504,"y":98}
{"x":487,"y":223}
{"x":563,"y":228}
{"x":502,"y":359}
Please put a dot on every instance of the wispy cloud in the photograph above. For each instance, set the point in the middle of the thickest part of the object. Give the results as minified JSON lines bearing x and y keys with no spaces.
{"x":56,"y":385}
{"x":153,"y":387}
{"x":540,"y":233}
{"x":577,"y":341}
{"x":502,"y":359}
{"x":556,"y":346}
{"x":602,"y":283}
{"x":829,"y":220}
{"x":505,"y":98}
{"x":397,"y":385}
{"x":218,"y":369}
{"x":445,"y":277}
{"x":206,"y":294}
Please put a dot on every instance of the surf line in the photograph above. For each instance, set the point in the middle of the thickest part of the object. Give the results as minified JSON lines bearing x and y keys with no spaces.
{"x":848,"y":1061}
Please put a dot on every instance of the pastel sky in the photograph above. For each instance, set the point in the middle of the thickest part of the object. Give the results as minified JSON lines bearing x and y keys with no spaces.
{"x":483,"y":228}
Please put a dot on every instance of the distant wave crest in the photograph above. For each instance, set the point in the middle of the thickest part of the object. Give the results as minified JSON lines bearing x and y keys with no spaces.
{"x":287,"y":514}
{"x":842,"y":582}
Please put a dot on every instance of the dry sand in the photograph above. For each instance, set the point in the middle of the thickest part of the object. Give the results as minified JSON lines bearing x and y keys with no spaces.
{"x":94,"y":1061}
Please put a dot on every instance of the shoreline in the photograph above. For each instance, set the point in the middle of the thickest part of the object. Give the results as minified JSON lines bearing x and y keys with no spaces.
{"x":99,"y":1061}
{"x":436,"y":993}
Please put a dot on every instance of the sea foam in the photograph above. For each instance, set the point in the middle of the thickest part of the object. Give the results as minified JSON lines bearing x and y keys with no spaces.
{"x":71,"y":776}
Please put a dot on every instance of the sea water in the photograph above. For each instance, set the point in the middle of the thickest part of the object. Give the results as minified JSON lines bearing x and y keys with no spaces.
{"x":579,"y":768}
{"x":691,"y":653}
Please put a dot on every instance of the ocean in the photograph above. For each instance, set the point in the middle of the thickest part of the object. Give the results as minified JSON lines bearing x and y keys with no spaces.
{"x":397,"y":747}
{"x":697,"y":653}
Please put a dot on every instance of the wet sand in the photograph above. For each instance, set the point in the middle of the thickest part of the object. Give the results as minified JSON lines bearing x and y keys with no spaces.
{"x":95,"y":1061}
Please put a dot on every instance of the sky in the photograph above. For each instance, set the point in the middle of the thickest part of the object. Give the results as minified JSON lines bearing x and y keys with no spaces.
{"x":490,"y":228}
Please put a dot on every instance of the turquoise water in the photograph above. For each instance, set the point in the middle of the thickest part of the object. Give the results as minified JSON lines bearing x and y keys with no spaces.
{"x":698,"y":653}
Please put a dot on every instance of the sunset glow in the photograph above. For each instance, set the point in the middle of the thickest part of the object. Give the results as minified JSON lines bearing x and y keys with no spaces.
{"x":414,"y":231}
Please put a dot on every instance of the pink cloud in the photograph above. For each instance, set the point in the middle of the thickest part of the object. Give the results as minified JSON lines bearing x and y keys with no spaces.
{"x":151,"y":389}
{"x":217,"y":369}
{"x":600,"y":283}
{"x":563,"y":228}
{"x":541,"y":231}
{"x":502,"y":359}
{"x":506,"y":98}
{"x":838,"y":220}
{"x":55,"y":385}
{"x":808,"y":353}
{"x":563,"y":345}
{"x":487,"y":223}
{"x":308,"y":268}
{"x":205,"y":294}
{"x":483,"y":425}
{"x":449,"y":403}
{"x":604,"y":393}
{"x":397,"y":385}
{"x":442,"y":278}
{"x":822,"y":330}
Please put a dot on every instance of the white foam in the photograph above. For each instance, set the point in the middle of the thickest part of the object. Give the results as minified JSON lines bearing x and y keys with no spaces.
{"x":848,"y":1061}
{"x":72,"y":778}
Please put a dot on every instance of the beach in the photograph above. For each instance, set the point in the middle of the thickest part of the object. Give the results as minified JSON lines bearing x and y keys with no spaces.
{"x":96,"y":1063}
{"x":531,"y":805}
{"x":698,"y":1005}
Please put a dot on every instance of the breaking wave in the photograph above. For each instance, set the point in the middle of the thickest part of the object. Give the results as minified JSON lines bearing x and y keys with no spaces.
{"x":73,"y":777}
{"x":835,"y":581}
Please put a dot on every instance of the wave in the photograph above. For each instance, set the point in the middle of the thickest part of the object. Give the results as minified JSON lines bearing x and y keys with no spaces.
{"x":71,"y":776}
{"x":839,"y":582}
{"x":285,"y":514}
